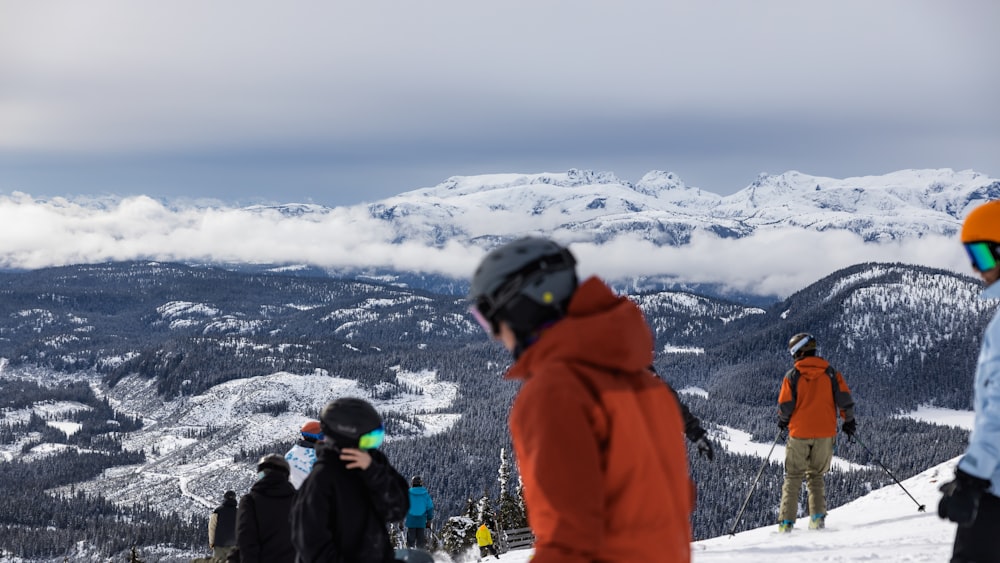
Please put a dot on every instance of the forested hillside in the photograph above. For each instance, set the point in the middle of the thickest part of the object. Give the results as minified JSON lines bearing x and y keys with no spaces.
{"x":162,"y":343}
{"x":35,"y":523}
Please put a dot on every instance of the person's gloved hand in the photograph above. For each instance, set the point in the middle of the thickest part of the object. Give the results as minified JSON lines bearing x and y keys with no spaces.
{"x":705,"y":448}
{"x":694,"y":432}
{"x":960,"y":500}
{"x":850,"y":427}
{"x":430,"y":524}
{"x":783,"y":427}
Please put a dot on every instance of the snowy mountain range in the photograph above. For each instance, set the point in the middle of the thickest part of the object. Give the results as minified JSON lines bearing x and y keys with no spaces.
{"x":585,"y":206}
{"x":654,"y":233}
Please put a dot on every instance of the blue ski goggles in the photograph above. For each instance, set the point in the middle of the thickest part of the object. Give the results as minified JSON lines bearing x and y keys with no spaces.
{"x":983,"y":255}
{"x":372,"y":440}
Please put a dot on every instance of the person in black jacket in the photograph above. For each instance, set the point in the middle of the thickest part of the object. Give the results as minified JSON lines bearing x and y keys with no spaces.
{"x":222,"y":528}
{"x":344,"y":504}
{"x":263,"y":532}
{"x":693,"y":430}
{"x":692,"y":425}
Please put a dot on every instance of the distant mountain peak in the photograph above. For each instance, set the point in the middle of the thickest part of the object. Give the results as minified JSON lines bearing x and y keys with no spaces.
{"x":663,"y":209}
{"x":465,"y":185}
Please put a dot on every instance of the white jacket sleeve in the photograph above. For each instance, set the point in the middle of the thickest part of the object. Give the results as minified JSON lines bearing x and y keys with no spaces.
{"x":982,"y":459}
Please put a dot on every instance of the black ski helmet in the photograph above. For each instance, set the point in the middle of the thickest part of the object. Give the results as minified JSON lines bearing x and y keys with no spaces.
{"x":273,"y":462}
{"x":346,"y":419}
{"x":525,"y":283}
{"x":801,"y":344}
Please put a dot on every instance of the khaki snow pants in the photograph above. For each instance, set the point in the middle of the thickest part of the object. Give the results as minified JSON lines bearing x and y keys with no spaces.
{"x":809,"y":460}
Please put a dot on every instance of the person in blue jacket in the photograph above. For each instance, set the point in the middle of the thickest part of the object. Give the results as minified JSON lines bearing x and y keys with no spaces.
{"x":972,"y":499}
{"x":419,"y":517}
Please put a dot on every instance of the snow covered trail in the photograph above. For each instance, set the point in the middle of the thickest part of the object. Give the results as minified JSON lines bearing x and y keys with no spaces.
{"x":182,"y":483}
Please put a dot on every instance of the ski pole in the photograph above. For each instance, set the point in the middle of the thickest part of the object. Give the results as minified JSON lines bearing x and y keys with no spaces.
{"x":732,"y":532}
{"x":920,"y":507}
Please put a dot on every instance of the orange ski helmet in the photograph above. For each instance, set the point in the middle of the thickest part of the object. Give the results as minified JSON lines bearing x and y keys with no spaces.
{"x":983,"y":224}
{"x":311,"y":430}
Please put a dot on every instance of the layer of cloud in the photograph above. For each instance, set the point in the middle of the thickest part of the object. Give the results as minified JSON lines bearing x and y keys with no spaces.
{"x":41,"y":233}
{"x":770,"y":262}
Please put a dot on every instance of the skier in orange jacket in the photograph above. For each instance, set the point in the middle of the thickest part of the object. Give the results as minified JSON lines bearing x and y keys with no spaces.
{"x":598,"y":437}
{"x":812,"y":395}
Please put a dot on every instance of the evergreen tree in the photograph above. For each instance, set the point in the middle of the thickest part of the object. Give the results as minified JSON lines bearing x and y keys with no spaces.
{"x":397,"y":535}
{"x":471,"y":509}
{"x":511,"y":514}
{"x":458,"y":534}
{"x":484,"y":511}
{"x":519,"y":498}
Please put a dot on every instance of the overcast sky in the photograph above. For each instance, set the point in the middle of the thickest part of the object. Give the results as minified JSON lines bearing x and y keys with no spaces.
{"x":343,"y":102}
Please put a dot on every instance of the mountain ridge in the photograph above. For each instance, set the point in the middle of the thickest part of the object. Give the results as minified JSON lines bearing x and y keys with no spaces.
{"x":657,"y":232}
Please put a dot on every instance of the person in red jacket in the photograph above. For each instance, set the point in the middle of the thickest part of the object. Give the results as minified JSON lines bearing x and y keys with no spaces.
{"x":598,"y":437}
{"x":812,"y":395}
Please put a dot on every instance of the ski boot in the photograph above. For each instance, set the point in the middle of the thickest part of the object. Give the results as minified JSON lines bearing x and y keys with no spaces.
{"x":786,"y":526}
{"x":817,"y":521}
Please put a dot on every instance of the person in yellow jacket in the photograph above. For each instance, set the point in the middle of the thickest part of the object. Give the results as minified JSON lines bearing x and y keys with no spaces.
{"x":485,"y":540}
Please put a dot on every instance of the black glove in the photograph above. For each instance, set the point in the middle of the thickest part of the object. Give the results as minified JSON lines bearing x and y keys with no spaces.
{"x":705,"y":448}
{"x":694,"y":431}
{"x":850,"y":427}
{"x":783,"y":427}
{"x":960,"y":502}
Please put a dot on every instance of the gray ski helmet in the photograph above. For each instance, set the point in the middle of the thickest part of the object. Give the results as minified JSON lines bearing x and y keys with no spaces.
{"x":346,"y":419}
{"x":273,"y":462}
{"x":515,"y":280}
{"x":800,"y":344}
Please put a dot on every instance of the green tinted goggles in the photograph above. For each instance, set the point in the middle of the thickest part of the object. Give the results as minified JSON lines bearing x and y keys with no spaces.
{"x":983,"y":255}
{"x":372,"y":440}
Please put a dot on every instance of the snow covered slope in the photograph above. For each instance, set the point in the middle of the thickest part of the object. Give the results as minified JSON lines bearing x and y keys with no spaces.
{"x":192,"y":443}
{"x":884,"y":525}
